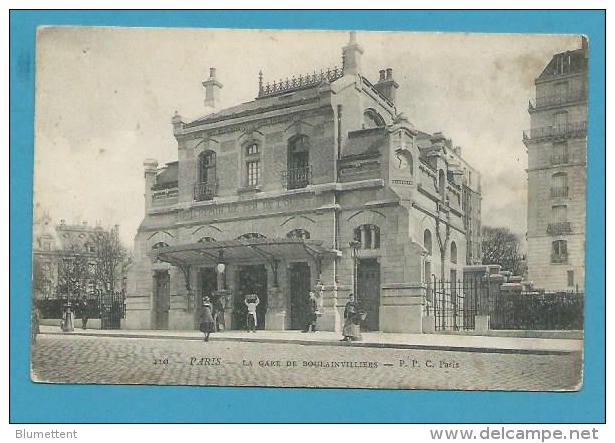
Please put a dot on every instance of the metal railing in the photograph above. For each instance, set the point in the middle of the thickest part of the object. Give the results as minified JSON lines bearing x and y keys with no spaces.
{"x":559,"y":191}
{"x":165,"y":193}
{"x":205,"y":191}
{"x":559,"y":228}
{"x":558,"y":99}
{"x":297,"y":178}
{"x":569,"y":130}
{"x":300,"y":82}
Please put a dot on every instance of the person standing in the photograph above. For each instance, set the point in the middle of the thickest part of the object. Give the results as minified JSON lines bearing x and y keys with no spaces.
{"x":251,"y":301}
{"x":68,"y":318}
{"x":36,"y":320}
{"x":312,"y":308}
{"x":84,"y":313}
{"x":207,"y":325}
{"x":352,"y":321}
{"x":218,"y":308}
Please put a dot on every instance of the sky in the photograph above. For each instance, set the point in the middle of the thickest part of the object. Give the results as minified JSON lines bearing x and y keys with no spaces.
{"x":105,"y":98}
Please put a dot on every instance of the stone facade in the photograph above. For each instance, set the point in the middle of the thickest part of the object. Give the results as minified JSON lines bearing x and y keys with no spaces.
{"x":557,"y":149}
{"x":325,"y":157}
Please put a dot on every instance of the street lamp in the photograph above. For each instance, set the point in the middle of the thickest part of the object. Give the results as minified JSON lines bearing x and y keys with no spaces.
{"x":354,"y":250}
{"x":220,"y":268}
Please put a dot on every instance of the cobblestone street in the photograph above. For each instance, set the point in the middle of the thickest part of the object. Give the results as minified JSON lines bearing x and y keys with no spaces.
{"x":75,"y":359}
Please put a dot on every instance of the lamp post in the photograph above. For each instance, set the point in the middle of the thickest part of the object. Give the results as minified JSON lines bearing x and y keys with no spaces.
{"x":220,"y":268}
{"x":354,"y":248}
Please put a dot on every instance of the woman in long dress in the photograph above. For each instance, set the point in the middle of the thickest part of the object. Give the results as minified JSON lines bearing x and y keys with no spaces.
{"x":352,"y":328}
{"x":207,"y":325}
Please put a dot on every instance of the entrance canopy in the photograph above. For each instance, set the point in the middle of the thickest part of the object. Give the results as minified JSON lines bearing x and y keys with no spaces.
{"x":242,"y":251}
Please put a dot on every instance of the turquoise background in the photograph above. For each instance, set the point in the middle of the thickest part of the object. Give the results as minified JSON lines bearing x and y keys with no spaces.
{"x":39,"y":403}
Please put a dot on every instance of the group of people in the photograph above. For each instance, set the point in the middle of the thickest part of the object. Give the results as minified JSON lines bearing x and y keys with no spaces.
{"x":210,"y":320}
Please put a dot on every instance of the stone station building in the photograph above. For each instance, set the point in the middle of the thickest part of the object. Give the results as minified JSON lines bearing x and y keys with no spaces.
{"x":270,"y":196}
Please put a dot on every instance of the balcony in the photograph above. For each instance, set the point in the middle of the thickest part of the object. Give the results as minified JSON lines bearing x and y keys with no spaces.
{"x":559,"y":159}
{"x":559,"y":258}
{"x":559,"y":228}
{"x":205,"y":191}
{"x":162,"y":197}
{"x":297,"y":178}
{"x":560,"y":191}
{"x":569,"y":130}
{"x":557,"y":100}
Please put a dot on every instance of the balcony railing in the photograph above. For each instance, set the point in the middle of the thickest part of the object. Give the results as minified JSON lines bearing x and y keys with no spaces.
{"x":569,"y":130}
{"x":559,"y":258}
{"x":297,"y":178}
{"x":300,"y":82}
{"x":160,"y":195}
{"x":205,"y":191}
{"x":557,"y":99}
{"x":560,"y":191}
{"x":559,"y":159}
{"x":559,"y":228}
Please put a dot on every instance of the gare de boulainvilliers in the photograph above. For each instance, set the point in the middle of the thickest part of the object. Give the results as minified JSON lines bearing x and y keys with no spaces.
{"x":319,"y":183}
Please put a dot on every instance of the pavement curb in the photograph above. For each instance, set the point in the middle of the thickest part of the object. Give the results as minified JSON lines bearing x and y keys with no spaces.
{"x":434,"y":347}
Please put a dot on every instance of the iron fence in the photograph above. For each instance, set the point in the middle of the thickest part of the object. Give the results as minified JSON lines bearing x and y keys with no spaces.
{"x":110,"y":308}
{"x":456,"y":303}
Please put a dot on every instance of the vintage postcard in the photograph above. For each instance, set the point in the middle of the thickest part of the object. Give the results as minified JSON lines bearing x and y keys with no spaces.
{"x":309,"y":208}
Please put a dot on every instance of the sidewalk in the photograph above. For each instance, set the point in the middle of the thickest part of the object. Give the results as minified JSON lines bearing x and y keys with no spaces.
{"x":463,"y":343}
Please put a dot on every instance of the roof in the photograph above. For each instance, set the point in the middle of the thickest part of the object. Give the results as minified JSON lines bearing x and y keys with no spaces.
{"x":227,"y":112}
{"x":365,"y":142}
{"x":241,"y":251}
{"x":168,"y":176}
{"x":569,"y":62}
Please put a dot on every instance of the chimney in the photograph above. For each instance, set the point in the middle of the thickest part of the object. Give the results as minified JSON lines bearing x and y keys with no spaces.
{"x":386,"y":85}
{"x":177,"y":123}
{"x":212,"y":90}
{"x":351,"y":55}
{"x":150,"y":167}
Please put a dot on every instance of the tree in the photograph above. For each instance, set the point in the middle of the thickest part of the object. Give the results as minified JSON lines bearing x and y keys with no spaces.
{"x":73,"y":274}
{"x":502,"y":247}
{"x":110,"y":257}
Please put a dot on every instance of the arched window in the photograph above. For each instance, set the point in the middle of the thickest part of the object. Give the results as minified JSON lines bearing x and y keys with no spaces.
{"x":207,"y":167}
{"x":299,"y":233}
{"x":559,"y":184}
{"x":371,"y":119}
{"x":159,"y":245}
{"x":206,"y":240}
{"x":442,"y":183}
{"x":206,"y":187}
{"x":453,"y":253}
{"x":368,"y":236}
{"x":299,"y":172}
{"x":427,"y":241}
{"x":250,"y":235}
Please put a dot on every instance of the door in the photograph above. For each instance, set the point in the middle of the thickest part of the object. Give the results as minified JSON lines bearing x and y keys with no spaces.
{"x":162,"y":299}
{"x":299,"y":283}
{"x":250,"y":280}
{"x":207,"y":285}
{"x":368,"y":292}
